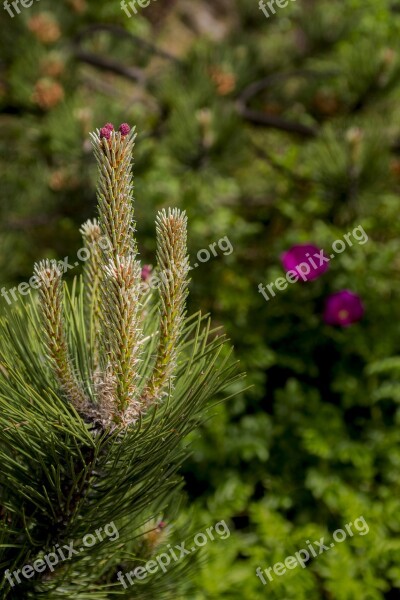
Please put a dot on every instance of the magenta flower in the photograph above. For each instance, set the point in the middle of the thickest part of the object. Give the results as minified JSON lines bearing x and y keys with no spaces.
{"x":307,"y":260}
{"x":124,"y":129}
{"x":343,"y":308}
{"x":109,"y":126}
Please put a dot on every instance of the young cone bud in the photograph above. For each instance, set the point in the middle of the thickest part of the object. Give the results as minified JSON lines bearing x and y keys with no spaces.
{"x":91,"y":235}
{"x":51,"y":305}
{"x":173,"y":263}
{"x":121,"y":334}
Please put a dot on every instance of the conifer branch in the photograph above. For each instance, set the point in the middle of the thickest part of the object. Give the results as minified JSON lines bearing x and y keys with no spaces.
{"x":51,"y":304}
{"x":64,"y":474}
{"x":173,"y":264}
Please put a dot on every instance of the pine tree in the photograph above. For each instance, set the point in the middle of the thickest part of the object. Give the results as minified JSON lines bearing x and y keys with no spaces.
{"x":99,"y":386}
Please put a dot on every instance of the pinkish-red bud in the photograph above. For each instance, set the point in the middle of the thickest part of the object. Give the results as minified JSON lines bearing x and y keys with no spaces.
{"x":146,"y":272}
{"x":105,"y":133}
{"x":124,"y":129}
{"x":109,"y":126}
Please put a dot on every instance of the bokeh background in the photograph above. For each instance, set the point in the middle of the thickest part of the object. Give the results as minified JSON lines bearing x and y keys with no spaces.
{"x":274,"y":132}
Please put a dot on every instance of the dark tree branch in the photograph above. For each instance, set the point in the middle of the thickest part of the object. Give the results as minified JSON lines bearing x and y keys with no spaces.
{"x":259,"y":118}
{"x":265,"y":120}
{"x":30,"y":222}
{"x":120,"y":32}
{"x":107,"y":64}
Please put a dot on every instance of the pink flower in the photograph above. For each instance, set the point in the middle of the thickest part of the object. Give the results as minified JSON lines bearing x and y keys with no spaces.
{"x":109,"y":126}
{"x":343,"y":308}
{"x":307,"y":260}
{"x":124,"y":129}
